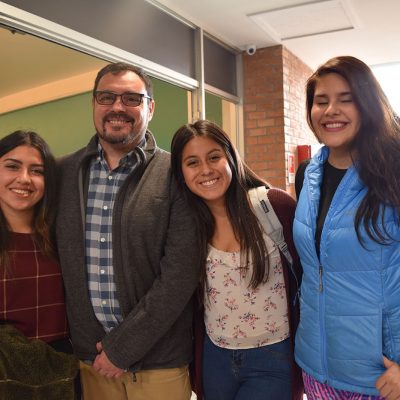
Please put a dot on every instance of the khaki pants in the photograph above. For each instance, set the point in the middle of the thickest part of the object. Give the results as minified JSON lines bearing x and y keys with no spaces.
{"x":157,"y":384}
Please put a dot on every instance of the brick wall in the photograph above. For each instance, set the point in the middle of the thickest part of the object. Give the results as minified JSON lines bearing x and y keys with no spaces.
{"x":274,"y":112}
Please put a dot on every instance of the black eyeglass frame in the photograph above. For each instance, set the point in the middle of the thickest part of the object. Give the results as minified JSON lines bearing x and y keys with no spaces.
{"x":122,"y":95}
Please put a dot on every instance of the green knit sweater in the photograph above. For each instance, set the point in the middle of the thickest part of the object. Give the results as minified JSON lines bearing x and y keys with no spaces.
{"x":31,"y":369}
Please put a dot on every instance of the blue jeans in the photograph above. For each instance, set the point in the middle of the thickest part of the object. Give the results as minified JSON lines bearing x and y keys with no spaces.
{"x":262,"y":373}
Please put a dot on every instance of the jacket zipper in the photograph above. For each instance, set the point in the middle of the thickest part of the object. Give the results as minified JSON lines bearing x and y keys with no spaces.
{"x":322,"y":319}
{"x":321,"y":286}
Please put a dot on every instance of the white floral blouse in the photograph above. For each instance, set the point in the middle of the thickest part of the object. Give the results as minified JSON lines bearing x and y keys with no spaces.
{"x":237,"y":316}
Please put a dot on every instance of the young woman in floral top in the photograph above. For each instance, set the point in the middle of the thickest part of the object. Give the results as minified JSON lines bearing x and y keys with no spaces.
{"x":247,"y":290}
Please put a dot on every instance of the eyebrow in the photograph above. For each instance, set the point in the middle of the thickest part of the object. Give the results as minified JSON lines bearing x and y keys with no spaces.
{"x":20,"y":162}
{"x":340,"y":94}
{"x":191,"y":156}
{"x":119,"y":94}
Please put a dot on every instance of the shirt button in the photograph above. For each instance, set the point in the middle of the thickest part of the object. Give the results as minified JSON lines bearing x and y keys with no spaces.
{"x":110,"y":177}
{"x":105,"y":207}
{"x":104,"y":302}
{"x":102,"y":240}
{"x":102,"y":271}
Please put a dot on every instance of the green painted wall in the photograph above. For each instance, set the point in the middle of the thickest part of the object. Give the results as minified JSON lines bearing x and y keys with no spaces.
{"x":213,"y":108}
{"x":171,"y":112}
{"x":66,"y":124}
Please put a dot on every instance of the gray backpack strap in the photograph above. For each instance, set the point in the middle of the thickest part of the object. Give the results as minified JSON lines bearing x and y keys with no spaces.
{"x":268,"y":220}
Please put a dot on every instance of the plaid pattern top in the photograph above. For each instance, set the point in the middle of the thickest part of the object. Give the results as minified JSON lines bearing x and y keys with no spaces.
{"x":32,"y":293}
{"x":103,"y":188}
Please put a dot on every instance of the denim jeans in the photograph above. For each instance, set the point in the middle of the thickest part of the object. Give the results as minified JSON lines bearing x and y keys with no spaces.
{"x":262,"y":373}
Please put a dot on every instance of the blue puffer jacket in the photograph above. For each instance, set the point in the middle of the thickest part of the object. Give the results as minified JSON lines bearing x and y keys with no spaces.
{"x":350,"y":298}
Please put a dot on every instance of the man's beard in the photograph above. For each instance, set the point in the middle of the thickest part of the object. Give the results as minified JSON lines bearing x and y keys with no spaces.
{"x":111,"y":136}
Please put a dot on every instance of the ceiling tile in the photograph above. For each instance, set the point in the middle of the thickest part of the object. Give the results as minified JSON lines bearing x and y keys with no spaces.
{"x":305,"y":20}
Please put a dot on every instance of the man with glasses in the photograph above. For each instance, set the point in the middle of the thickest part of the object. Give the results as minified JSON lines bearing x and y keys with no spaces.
{"x":128,"y":250}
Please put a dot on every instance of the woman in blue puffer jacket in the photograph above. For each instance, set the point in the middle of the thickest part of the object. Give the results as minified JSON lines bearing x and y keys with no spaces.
{"x":347,"y":233}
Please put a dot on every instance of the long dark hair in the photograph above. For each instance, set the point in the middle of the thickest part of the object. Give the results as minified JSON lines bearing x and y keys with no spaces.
{"x":44,"y":211}
{"x":244,"y":222}
{"x":376,"y":146}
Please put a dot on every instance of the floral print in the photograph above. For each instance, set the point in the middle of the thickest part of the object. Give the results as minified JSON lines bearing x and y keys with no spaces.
{"x":249,"y":318}
{"x":231,"y":304}
{"x":237,"y":316}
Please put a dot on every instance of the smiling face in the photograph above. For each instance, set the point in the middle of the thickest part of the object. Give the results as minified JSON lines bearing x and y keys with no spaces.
{"x":119,"y":126}
{"x":334,"y":115}
{"x":21,"y":182}
{"x":206,"y":170}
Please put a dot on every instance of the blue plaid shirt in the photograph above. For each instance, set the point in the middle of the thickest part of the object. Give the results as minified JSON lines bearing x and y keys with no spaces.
{"x":103,"y":188}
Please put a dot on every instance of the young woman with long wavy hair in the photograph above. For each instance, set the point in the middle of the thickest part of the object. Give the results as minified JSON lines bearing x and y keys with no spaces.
{"x":347,"y":233}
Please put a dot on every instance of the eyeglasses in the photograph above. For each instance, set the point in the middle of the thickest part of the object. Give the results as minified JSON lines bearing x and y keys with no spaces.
{"x":106,"y":98}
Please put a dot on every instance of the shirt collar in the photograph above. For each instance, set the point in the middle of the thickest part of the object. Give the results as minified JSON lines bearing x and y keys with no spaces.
{"x":128,"y":160}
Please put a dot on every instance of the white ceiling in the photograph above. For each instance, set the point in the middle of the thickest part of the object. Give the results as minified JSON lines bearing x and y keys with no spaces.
{"x":375,"y":38}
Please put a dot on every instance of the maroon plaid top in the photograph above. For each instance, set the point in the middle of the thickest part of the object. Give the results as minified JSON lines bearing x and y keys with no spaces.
{"x":32,"y":293}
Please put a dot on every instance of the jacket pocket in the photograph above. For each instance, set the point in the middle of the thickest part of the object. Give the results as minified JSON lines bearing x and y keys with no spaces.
{"x":354,"y":348}
{"x":391,"y":334}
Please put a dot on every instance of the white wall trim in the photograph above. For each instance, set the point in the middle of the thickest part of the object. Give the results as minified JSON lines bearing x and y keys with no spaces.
{"x":49,"y":92}
{"x":221,"y":93}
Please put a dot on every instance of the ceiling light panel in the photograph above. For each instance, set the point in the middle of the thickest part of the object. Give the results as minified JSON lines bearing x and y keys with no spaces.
{"x":305,"y":19}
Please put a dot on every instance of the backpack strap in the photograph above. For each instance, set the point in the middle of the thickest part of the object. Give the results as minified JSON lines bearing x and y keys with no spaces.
{"x":299,"y":179}
{"x":268,"y":220}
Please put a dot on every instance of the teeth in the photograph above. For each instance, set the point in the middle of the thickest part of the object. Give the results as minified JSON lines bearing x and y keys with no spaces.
{"x":209,"y":183}
{"x":117,"y":121}
{"x":21,"y":191}
{"x":334,"y":125}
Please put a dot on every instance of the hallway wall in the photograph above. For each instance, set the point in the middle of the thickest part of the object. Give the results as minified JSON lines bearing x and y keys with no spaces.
{"x":274,"y":112}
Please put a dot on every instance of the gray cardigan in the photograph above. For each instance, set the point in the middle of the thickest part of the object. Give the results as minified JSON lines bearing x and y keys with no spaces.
{"x":156,"y":263}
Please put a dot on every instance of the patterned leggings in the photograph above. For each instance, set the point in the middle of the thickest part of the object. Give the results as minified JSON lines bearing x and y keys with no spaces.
{"x":321,"y":391}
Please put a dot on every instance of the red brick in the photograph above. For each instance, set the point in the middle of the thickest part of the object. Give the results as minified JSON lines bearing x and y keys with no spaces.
{"x":274,"y":112}
{"x":267,"y":122}
{"x":256,"y":132}
{"x":256,"y":115}
{"x":250,"y":140}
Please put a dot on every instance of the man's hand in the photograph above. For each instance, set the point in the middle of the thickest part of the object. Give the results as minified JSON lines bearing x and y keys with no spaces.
{"x":388,"y":383}
{"x":104,"y":366}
